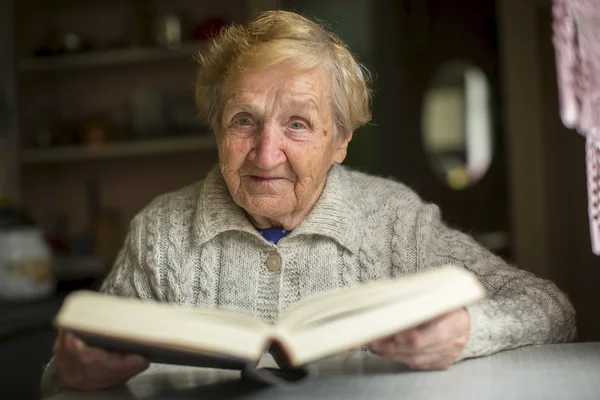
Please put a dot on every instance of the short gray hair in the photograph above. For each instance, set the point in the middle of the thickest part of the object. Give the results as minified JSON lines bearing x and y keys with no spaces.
{"x":279,"y":36}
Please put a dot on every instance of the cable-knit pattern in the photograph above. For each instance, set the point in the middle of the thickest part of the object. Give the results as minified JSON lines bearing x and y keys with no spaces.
{"x":205,"y":276}
{"x":521,"y":309}
{"x":404,"y":254}
{"x":149,"y":242}
{"x":349,"y":274}
{"x":196,"y":247}
{"x":174,"y":250}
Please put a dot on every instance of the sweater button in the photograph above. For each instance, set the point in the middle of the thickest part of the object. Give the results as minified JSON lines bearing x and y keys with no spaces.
{"x":274,"y":262}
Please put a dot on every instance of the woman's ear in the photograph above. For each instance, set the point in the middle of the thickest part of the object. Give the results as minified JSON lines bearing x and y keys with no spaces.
{"x":341,"y":147}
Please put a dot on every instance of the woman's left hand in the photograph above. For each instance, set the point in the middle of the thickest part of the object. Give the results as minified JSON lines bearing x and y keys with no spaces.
{"x":434,"y":345}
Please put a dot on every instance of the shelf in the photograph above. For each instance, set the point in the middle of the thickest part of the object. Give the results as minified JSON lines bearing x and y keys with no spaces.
{"x":118,"y":150}
{"x":105,"y":58}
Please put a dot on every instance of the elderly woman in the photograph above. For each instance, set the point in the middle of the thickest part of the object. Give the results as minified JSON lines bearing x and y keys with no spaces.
{"x":280,"y":218}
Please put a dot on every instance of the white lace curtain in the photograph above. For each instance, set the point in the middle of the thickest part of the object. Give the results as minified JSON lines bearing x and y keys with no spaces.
{"x":577,"y":48}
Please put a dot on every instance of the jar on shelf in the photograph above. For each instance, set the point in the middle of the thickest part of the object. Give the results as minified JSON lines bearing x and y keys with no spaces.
{"x":25,"y":259}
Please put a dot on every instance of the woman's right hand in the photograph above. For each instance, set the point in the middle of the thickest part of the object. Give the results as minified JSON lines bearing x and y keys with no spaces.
{"x":88,"y":368}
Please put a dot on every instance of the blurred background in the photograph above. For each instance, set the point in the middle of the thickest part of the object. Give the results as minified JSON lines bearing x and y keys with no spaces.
{"x":97,"y":117}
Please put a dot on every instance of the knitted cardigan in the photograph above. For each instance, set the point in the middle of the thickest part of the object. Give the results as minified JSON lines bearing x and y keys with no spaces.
{"x":195,"y":246}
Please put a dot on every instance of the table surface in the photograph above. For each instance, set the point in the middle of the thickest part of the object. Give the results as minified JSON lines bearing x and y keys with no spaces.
{"x":566,"y":371}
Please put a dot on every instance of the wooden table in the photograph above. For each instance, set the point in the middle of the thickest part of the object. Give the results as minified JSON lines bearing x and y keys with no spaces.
{"x":569,"y":371}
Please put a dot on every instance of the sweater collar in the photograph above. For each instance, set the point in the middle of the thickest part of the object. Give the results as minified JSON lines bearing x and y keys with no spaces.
{"x":332,"y":216}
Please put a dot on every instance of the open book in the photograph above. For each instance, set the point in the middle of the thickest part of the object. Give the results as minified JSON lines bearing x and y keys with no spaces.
{"x":314,"y":328}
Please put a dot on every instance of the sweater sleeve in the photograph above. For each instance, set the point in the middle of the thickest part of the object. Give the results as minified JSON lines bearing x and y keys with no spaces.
{"x":133,"y":275}
{"x":521,"y":309}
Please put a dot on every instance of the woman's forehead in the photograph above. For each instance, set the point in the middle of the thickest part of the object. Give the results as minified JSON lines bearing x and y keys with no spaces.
{"x":301,"y":88}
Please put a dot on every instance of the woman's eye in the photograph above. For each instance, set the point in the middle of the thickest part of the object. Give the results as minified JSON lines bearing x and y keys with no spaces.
{"x":244,"y":121}
{"x":297,"y":125}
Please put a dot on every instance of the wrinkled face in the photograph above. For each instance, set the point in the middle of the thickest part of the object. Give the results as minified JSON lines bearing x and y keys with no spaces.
{"x":276,"y":143}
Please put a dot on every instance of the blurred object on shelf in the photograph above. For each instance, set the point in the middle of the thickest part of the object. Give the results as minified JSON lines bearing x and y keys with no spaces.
{"x":192,"y":142}
{"x":149,"y":109}
{"x":86,"y":254}
{"x":57,"y":42}
{"x":51,"y":45}
{"x":74,"y":256}
{"x":72,"y":42}
{"x":26,"y":271}
{"x":58,"y":236}
{"x":151,"y":113}
{"x":54,"y":125}
{"x":209,"y":28}
{"x":96,"y":131}
{"x":49,"y":132}
{"x":111,"y":57}
{"x":170,"y":30}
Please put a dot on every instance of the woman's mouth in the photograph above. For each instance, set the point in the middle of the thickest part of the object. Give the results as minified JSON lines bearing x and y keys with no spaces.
{"x":263,"y":179}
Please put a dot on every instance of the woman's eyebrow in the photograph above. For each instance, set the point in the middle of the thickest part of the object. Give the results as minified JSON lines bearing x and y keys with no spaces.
{"x":237,"y":104}
{"x":305,"y":102}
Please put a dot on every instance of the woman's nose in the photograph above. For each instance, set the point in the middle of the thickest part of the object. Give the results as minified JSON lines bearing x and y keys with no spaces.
{"x":267,"y":152}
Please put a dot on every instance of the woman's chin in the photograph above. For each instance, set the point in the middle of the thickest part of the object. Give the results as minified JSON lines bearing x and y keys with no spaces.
{"x":266,"y":206}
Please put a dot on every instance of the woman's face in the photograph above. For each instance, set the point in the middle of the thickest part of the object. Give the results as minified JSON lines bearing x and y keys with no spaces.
{"x":277,"y":144}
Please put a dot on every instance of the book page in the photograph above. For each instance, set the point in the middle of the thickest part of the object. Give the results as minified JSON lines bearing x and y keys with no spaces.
{"x":342,"y":301}
{"x":162,"y":324}
{"x":344,"y":322}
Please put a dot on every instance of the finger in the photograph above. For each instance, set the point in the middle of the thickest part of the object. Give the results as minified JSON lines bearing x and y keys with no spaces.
{"x":383,"y":341}
{"x":417,"y":354}
{"x":115,"y":368}
{"x":383,"y":346}
{"x":134,"y":361}
{"x":91,"y":355}
{"x":61,"y":340}
{"x":429,"y":341}
{"x":108,"y":370}
{"x":426,"y":361}
{"x":409,"y":341}
{"x":58,"y":345}
{"x":78,"y":349}
{"x":124,"y":363}
{"x":454,"y":321}
{"x":447,"y":331}
{"x":87,"y":367}
{"x":71,"y":343}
